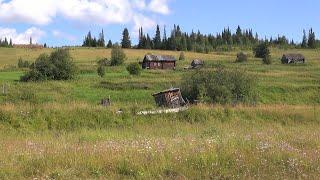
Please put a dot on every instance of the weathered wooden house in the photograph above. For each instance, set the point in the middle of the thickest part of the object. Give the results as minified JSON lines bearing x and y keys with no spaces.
{"x":158,"y":62}
{"x":196,"y":63}
{"x":170,"y":98}
{"x":292,"y":58}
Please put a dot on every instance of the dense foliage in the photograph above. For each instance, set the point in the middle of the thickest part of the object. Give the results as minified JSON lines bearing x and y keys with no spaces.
{"x":117,"y":55}
{"x":22,"y":63}
{"x":241,"y":57}
{"x":261,"y":50}
{"x":56,"y":66}
{"x":221,"y":86}
{"x":126,"y":42}
{"x":134,"y":68}
{"x":101,"y":70}
{"x":91,"y":41}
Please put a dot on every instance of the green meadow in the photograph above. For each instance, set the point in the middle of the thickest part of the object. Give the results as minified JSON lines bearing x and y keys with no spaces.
{"x":58,"y":130}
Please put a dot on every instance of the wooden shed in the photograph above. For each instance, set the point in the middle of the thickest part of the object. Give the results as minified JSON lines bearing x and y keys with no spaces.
{"x":158,"y":62}
{"x":292,"y":58}
{"x":170,"y":98}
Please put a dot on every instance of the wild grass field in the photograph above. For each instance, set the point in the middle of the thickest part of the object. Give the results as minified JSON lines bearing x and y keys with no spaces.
{"x":57,"y":130}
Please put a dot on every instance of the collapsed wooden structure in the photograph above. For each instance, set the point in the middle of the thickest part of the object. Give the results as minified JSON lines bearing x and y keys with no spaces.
{"x":170,"y":98}
{"x":158,"y":62}
{"x":197,"y":63}
{"x":292,"y":58}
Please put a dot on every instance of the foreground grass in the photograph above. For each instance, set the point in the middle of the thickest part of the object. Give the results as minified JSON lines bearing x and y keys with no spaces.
{"x":206,"y":142}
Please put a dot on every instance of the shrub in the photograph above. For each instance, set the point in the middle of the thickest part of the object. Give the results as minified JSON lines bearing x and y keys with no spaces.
{"x":262,"y":50}
{"x":220,"y":86}
{"x":182,"y":56}
{"x":134,"y":69}
{"x":57,"y":66}
{"x":241,"y":57}
{"x":103,"y":62}
{"x":267,"y":60}
{"x":101,"y":71}
{"x":117,"y":56}
{"x":22,"y":63}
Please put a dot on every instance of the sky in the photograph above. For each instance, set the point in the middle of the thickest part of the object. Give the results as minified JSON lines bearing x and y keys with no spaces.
{"x":66,"y":22}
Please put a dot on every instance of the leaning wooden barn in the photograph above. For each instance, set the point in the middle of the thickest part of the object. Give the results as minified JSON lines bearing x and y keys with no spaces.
{"x":170,"y":98}
{"x":159,"y":62}
{"x":197,"y":63}
{"x":292,"y":58}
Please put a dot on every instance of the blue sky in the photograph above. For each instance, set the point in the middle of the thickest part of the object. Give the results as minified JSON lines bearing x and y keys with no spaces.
{"x":66,"y":22}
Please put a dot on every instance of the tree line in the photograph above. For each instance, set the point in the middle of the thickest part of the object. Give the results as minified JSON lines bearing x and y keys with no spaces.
{"x":199,"y":42}
{"x":6,"y":43}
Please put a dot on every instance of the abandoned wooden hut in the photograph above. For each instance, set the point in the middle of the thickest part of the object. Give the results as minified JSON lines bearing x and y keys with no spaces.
{"x":197,"y":63}
{"x":170,"y":98}
{"x":292,"y":58}
{"x":159,"y":62}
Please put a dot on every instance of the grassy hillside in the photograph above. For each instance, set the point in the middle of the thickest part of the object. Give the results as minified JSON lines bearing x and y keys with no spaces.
{"x":58,"y":130}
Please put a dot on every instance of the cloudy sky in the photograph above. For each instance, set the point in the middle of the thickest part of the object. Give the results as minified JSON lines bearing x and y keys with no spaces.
{"x":65,"y":22}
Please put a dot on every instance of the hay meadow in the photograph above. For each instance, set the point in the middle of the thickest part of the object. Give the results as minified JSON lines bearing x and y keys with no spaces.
{"x":58,"y":130}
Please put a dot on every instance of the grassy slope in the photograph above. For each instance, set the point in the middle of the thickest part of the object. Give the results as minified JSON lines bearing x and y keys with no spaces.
{"x":56,"y":129}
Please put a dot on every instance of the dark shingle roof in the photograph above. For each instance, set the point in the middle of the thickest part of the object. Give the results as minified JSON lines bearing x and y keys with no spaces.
{"x":151,"y":57}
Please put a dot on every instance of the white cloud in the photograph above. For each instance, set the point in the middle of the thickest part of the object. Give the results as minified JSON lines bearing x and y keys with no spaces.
{"x":144,"y":22}
{"x":159,"y":6}
{"x":22,"y":38}
{"x":42,"y":12}
{"x":63,"y":35}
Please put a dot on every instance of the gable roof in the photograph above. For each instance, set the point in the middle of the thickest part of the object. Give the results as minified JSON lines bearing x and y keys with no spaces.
{"x":293,"y":56}
{"x":167,"y":91}
{"x":151,"y":57}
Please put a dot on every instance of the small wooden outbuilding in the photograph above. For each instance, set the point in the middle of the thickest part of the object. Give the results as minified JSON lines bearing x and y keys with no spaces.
{"x":170,"y":98}
{"x":158,"y":62}
{"x":292,"y":58}
{"x":197,"y":63}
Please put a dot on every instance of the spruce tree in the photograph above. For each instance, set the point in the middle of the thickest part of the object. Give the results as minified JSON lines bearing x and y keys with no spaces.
{"x":312,"y":39}
{"x":157,"y":39}
{"x":304,"y":43}
{"x":101,"y":41}
{"x":109,"y":45}
{"x":126,"y":42}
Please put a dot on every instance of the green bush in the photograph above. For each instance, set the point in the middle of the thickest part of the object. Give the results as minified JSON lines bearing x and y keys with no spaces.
{"x":221,"y":86}
{"x":241,"y":57}
{"x":103,"y":62}
{"x":261,"y":51}
{"x":182,"y":56}
{"x":57,"y":66}
{"x":267,"y":60}
{"x":101,"y":71}
{"x":23,"y":64}
{"x":117,"y":56}
{"x":134,"y":69}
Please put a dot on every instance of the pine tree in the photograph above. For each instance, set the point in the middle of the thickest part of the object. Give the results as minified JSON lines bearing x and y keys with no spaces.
{"x":304,"y":43}
{"x":101,"y":41}
{"x":164,"y":40}
{"x":157,"y":39}
{"x":148,"y":42}
{"x":312,"y":39}
{"x":109,"y":45}
{"x":238,"y":36}
{"x":30,"y":41}
{"x":10,"y":44}
{"x":126,"y":42}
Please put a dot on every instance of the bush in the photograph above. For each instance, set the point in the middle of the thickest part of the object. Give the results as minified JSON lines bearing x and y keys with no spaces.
{"x":267,"y":60}
{"x":134,"y":69}
{"x":23,"y":64}
{"x":101,"y":71}
{"x":57,"y":66}
{"x":117,"y":56}
{"x":262,"y":50}
{"x":182,"y":56}
{"x":220,"y":86}
{"x":241,"y":57}
{"x":103,"y":62}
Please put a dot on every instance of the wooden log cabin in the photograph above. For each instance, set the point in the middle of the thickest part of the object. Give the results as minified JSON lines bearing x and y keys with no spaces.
{"x":158,"y":62}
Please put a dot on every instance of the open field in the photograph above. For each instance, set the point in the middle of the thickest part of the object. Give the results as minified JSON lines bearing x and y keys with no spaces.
{"x":57,"y":130}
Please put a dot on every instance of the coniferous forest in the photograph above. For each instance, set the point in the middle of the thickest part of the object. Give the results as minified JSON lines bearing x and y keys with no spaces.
{"x":179,"y":40}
